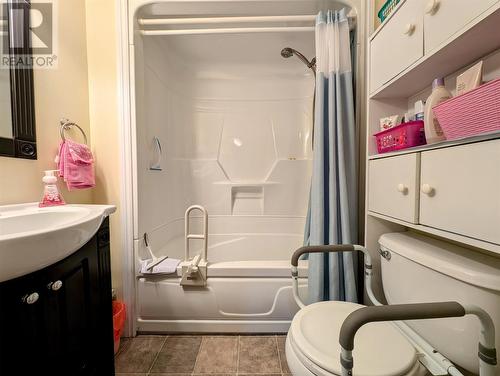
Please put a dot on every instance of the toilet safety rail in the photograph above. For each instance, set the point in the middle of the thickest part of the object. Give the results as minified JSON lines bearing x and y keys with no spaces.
{"x":327,"y":249}
{"x":189,"y":236}
{"x":420,"y":311}
{"x":434,"y":359}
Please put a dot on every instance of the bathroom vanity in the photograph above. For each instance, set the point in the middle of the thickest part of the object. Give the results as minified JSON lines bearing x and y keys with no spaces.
{"x":57,"y":320}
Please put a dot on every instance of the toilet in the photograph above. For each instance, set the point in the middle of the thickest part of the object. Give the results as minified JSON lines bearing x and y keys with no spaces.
{"x":415,"y":269}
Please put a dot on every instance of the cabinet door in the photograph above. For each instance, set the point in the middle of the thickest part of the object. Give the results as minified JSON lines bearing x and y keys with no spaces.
{"x":79,"y":341}
{"x":23,"y":333}
{"x":443,"y":18}
{"x":460,"y":190}
{"x":398,"y":45}
{"x":393,"y":187}
{"x":70,"y":313}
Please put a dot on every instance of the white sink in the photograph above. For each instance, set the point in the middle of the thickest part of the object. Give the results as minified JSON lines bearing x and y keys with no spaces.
{"x":32,"y":238}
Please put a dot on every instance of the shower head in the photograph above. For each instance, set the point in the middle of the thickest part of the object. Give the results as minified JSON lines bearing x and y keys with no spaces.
{"x":289,"y":52}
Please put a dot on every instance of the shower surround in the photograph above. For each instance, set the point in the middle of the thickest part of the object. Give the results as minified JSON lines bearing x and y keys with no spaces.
{"x":234,"y":122}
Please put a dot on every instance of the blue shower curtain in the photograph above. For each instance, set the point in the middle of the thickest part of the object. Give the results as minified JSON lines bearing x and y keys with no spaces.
{"x":332,"y":214}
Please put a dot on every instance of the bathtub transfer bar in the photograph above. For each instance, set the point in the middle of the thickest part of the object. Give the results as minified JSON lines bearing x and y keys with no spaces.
{"x":189,"y":236}
{"x":418,"y":311}
{"x":434,"y":360}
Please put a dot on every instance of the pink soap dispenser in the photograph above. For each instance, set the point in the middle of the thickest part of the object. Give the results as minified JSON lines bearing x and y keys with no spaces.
{"x":51,"y":195}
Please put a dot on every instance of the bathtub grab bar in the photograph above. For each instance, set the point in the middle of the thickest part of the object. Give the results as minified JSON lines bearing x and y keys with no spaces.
{"x":189,"y":236}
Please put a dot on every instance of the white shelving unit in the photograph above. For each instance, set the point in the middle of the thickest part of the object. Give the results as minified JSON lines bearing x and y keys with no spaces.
{"x":419,"y":41}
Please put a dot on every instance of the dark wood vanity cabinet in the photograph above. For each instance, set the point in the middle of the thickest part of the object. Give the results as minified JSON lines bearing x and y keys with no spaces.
{"x":58,"y":321}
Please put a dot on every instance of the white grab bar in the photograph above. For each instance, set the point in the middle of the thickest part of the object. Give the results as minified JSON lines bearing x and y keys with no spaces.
{"x":156,"y":166}
{"x":189,"y":236}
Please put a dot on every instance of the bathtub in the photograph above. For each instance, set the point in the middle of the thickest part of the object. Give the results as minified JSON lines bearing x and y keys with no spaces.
{"x":248,"y":285}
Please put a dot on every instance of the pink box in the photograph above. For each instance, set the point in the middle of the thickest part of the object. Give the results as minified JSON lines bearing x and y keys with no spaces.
{"x":472,"y":113}
{"x":400,"y":137}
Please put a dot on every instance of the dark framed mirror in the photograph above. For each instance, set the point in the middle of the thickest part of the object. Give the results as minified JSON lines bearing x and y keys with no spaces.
{"x":17,"y":105}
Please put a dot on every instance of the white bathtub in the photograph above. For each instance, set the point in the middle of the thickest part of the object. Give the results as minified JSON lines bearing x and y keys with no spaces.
{"x":248,"y":289}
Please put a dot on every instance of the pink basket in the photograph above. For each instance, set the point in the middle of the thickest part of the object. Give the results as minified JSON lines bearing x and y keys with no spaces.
{"x":472,"y":113}
{"x":403,"y":136}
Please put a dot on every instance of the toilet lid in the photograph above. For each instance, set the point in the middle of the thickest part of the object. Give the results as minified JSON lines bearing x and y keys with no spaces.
{"x":379,"y":348}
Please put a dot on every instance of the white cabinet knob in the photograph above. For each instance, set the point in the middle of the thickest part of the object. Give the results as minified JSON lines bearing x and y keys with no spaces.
{"x":402,"y":188}
{"x":55,"y":286}
{"x":409,"y":29}
{"x":427,"y":189}
{"x":432,"y":7}
{"x":31,"y":298}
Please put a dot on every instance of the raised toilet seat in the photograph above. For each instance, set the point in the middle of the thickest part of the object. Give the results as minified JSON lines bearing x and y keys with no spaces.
{"x":312,"y":345}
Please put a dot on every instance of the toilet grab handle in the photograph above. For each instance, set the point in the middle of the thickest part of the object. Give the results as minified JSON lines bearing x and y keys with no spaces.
{"x":362,"y":316}
{"x":329,"y":249}
{"x":320,"y":249}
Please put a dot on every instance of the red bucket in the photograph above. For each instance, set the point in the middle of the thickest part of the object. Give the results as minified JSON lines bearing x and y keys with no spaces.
{"x":119,"y":316}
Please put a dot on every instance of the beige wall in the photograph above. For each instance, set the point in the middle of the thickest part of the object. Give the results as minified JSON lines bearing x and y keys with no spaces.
{"x":378,"y":5}
{"x":83,"y":88}
{"x":103,"y":105}
{"x":62,"y":92}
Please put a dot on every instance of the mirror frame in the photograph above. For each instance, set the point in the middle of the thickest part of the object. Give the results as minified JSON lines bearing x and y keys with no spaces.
{"x":23,"y":142}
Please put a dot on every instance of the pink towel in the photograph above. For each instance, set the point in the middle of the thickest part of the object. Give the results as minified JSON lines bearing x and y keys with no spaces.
{"x":76,"y":165}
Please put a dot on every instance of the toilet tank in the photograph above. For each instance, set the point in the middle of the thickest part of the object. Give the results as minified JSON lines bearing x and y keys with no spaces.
{"x":419,"y":269}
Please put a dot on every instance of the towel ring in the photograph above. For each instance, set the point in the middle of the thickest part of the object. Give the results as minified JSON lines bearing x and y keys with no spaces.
{"x":66,"y":125}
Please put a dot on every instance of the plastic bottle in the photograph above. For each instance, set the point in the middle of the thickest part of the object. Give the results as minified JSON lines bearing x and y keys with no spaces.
{"x":433,"y":131}
{"x":51,"y":195}
{"x":419,"y":110}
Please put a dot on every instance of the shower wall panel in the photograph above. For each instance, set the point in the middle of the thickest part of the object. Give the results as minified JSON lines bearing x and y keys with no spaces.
{"x":238,"y":146}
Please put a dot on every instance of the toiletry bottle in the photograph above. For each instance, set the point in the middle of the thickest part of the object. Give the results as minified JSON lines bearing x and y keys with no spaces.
{"x":419,"y":110}
{"x":433,"y":131}
{"x":51,"y":195}
{"x":470,"y":79}
{"x":408,"y":117}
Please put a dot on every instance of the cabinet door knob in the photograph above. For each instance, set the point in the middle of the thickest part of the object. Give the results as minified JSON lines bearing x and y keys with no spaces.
{"x":409,"y":29}
{"x":432,"y":7}
{"x":402,"y":188}
{"x":54,"y":286}
{"x":31,"y":298}
{"x":427,"y":189}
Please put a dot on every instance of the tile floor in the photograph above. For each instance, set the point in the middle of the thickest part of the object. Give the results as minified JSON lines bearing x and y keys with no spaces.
{"x":184,"y":355}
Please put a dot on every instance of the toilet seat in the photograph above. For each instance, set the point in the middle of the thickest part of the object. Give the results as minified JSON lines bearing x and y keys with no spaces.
{"x":379,"y":348}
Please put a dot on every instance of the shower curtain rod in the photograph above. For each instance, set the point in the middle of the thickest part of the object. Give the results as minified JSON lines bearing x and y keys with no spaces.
{"x":232,"y":30}
{"x":225,"y":20}
{"x":217,"y":20}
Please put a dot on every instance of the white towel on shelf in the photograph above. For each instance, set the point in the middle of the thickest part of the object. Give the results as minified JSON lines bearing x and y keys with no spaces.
{"x":167,"y":266}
